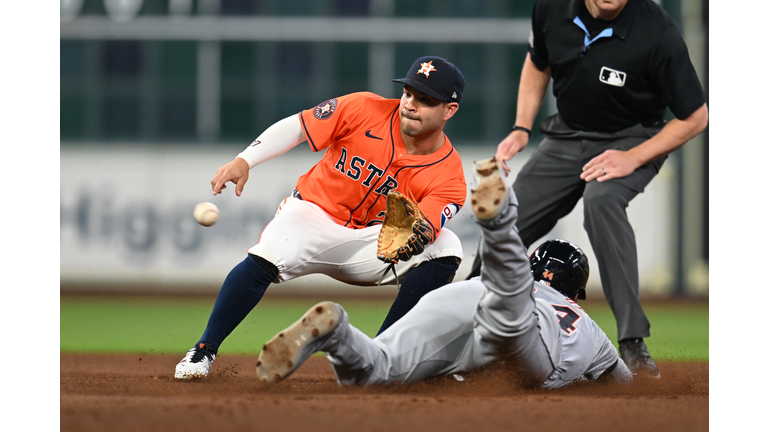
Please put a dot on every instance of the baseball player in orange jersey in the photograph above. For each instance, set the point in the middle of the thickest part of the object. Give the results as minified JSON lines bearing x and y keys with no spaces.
{"x":331,"y":222}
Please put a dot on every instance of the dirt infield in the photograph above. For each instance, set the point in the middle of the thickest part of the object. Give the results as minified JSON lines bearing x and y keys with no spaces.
{"x":138,"y":393}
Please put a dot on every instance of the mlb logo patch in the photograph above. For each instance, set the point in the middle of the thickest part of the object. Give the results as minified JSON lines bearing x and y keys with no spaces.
{"x":612,"y":77}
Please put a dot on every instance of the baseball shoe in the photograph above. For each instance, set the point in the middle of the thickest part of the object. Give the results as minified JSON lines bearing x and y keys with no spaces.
{"x":635,"y":355}
{"x":490,"y":189}
{"x":285,"y":352}
{"x":197,"y":363}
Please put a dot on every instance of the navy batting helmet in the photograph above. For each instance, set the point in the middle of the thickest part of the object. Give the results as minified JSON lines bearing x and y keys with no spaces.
{"x":563,"y":266}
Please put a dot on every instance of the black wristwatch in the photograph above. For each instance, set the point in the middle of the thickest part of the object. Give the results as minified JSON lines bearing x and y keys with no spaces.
{"x":520,"y":128}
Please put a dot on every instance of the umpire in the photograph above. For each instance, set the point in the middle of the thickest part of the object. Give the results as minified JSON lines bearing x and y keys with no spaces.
{"x":616,"y":66}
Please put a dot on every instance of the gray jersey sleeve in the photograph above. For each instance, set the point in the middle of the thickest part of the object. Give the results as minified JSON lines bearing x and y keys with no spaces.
{"x":586,"y":350}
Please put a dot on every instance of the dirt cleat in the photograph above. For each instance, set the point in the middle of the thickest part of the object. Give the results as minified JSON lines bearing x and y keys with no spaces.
{"x":197,"y":363}
{"x":285,"y":352}
{"x":635,"y":355}
{"x":490,"y":189}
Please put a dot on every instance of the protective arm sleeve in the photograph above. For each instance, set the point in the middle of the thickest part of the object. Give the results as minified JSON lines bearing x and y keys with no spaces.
{"x":276,"y":140}
{"x":621,"y":373}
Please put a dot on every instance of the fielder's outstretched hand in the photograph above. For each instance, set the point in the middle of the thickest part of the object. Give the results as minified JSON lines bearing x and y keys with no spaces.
{"x":235,"y":172}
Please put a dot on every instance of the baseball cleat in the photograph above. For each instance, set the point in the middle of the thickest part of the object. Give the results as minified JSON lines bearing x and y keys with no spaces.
{"x":197,"y":363}
{"x":490,"y":190}
{"x":635,"y":355}
{"x":290,"y":348}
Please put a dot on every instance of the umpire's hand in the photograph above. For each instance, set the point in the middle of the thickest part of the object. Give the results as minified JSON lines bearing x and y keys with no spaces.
{"x":609,"y":165}
{"x":510,"y":146}
{"x":236,"y":172}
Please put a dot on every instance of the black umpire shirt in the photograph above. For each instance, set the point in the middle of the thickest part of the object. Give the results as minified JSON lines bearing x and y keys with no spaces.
{"x":610,"y":75}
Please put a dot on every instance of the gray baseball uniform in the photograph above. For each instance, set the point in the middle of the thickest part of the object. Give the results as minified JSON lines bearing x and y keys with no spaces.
{"x":503,"y":313}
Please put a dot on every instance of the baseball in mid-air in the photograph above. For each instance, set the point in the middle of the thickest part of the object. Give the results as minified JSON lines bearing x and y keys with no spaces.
{"x":206,"y":214}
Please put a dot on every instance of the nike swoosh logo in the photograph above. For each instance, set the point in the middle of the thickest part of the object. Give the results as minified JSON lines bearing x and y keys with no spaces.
{"x":368,"y":134}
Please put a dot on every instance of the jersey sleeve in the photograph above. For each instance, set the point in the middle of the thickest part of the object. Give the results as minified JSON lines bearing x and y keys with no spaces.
{"x":445,"y":200}
{"x":537,"y":46}
{"x":674,"y":75}
{"x":443,"y":205}
{"x":587,"y":353}
{"x":604,"y":358}
{"x":331,"y":120}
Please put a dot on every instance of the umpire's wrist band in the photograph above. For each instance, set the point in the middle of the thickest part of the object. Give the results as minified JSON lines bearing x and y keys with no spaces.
{"x":520,"y":128}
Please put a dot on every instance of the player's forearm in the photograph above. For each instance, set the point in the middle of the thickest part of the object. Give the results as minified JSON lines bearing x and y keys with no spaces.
{"x":533,"y":85}
{"x":276,"y":140}
{"x":621,"y":373}
{"x":671,"y":137}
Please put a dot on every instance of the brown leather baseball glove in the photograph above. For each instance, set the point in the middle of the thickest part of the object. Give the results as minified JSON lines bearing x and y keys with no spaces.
{"x":405,"y":232}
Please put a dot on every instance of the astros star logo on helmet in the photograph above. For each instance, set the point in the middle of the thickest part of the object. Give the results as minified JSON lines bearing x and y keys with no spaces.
{"x":426,"y":68}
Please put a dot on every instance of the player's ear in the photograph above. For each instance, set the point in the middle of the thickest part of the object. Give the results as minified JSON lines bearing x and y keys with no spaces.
{"x":449,"y":110}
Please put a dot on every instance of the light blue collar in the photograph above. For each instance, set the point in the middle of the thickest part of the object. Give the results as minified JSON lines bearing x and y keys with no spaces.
{"x":587,"y":40}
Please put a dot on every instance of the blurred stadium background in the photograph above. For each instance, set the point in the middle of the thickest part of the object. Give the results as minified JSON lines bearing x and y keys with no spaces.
{"x":157,"y":94}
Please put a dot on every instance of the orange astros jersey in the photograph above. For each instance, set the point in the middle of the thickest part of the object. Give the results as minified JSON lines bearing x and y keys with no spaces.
{"x":366,"y":158}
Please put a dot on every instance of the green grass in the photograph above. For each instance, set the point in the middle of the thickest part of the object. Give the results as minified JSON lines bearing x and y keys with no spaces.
{"x":679,"y":331}
{"x":170,"y":325}
{"x":107,"y":324}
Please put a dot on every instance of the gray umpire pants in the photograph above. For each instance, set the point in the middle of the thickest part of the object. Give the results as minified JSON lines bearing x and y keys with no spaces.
{"x":548,"y":187}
